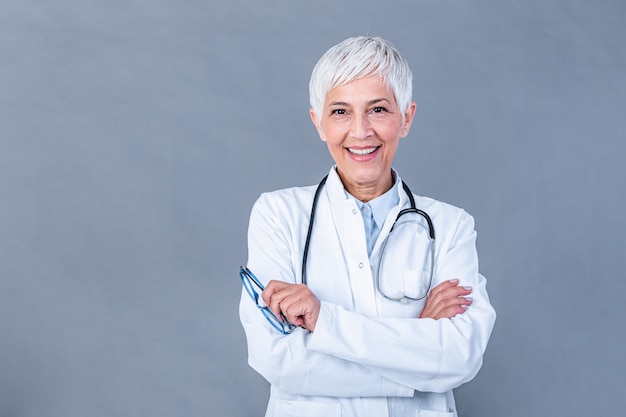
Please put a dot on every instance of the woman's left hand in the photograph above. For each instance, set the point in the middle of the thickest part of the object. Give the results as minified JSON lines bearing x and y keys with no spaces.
{"x":447,"y":300}
{"x":295,"y":301}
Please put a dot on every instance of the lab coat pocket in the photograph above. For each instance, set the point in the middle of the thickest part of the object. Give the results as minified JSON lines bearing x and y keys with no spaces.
{"x":416,"y":283}
{"x":428,"y":413}
{"x":293,"y":408}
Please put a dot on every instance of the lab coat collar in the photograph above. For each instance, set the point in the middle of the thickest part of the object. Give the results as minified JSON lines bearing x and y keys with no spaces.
{"x":334,"y":186}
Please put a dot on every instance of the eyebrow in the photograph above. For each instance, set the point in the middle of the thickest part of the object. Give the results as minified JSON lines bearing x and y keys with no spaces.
{"x":371,"y":102}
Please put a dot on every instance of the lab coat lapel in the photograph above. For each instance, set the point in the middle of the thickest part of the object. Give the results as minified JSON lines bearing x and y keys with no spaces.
{"x":348,"y":224}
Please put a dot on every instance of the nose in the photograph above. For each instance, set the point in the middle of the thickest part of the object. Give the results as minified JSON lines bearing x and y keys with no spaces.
{"x":361,"y":127}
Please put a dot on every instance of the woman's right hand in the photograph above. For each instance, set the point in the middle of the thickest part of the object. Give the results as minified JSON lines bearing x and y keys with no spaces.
{"x":447,"y":300}
{"x":295,"y":301}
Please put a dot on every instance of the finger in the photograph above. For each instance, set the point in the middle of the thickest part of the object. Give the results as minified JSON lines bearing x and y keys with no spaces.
{"x":450,"y":301}
{"x":282,"y":301}
{"x":268,"y":291}
{"x":275,"y":296}
{"x":272,"y":288}
{"x":453,"y":306}
{"x":436,"y":308}
{"x":301,"y":308}
{"x":294,"y":313}
{"x":297,"y":303}
{"x":451,"y":311}
{"x":448,"y":290}
{"x":455,"y":292}
{"x":448,"y":285}
{"x":290,"y":307}
{"x":444,"y":285}
{"x":442,"y":298}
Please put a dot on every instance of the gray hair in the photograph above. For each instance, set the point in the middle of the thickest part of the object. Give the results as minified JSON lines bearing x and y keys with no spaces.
{"x":357,"y":58}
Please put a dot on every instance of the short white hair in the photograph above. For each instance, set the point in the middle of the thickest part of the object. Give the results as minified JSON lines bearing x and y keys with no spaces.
{"x":357,"y":58}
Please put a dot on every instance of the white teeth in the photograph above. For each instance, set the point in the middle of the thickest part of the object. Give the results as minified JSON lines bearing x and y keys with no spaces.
{"x":362,"y":151}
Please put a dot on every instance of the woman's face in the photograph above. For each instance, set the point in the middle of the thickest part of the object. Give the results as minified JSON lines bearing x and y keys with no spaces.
{"x":362,"y":124}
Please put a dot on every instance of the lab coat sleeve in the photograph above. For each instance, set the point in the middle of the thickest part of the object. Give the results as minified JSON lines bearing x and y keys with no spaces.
{"x":425,"y":354}
{"x":287,"y":361}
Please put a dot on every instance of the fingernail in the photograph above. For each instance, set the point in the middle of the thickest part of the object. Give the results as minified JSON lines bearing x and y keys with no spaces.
{"x":468,"y":288}
{"x":469,"y":299}
{"x":454,"y":281}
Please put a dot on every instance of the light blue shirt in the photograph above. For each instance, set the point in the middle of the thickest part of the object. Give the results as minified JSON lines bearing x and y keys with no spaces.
{"x":375,"y":212}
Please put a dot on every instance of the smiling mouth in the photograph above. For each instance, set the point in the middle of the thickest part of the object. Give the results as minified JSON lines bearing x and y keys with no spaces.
{"x":363,"y":152}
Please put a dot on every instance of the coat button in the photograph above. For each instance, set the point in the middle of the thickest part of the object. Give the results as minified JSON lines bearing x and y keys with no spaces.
{"x":361,"y":265}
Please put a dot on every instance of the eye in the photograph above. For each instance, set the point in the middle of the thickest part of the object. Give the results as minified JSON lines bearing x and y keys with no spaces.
{"x":379,"y":109}
{"x":338,"y":111}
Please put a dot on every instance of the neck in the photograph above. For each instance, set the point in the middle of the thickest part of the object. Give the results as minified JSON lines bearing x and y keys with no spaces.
{"x":365,"y":192}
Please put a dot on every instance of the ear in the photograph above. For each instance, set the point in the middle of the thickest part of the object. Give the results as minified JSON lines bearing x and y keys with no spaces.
{"x":409,"y":114}
{"x":317,"y":124}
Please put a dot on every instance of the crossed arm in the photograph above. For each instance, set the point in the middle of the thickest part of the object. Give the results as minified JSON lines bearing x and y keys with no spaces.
{"x":301,"y":307}
{"x":338,"y":347}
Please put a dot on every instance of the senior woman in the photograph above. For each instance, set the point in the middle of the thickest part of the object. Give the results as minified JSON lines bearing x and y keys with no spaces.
{"x":361,"y":298}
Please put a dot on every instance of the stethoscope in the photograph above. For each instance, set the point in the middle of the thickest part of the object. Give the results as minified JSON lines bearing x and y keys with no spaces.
{"x":403,"y":298}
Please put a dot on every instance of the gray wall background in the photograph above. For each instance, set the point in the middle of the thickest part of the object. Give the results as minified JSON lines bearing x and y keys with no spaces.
{"x":136,"y":135}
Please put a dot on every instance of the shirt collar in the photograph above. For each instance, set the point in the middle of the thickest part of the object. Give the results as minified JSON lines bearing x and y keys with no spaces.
{"x":381,"y":205}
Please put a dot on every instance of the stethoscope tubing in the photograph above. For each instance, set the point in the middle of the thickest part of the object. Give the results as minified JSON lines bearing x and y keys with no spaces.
{"x":412,"y":209}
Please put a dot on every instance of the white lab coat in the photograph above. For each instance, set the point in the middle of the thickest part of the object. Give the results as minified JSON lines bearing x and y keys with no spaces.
{"x":368,"y":356}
